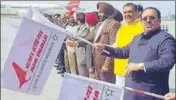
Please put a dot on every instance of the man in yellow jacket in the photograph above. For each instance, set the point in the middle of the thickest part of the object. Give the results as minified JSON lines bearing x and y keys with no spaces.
{"x":131,"y":27}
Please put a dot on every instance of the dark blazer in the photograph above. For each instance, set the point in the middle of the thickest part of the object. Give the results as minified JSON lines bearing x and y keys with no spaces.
{"x":157,"y":52}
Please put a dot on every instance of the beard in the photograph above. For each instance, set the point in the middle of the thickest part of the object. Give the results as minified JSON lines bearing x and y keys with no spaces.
{"x":102,"y":18}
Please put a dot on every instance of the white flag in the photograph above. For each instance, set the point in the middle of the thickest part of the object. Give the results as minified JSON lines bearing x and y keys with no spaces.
{"x":38,"y":17}
{"x":80,"y":88}
{"x":32,"y":56}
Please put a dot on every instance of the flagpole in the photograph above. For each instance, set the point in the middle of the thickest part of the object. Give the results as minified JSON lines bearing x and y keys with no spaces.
{"x":145,"y":93}
{"x":84,"y":40}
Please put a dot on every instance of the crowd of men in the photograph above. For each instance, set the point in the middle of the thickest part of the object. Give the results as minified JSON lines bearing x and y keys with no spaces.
{"x":130,"y":49}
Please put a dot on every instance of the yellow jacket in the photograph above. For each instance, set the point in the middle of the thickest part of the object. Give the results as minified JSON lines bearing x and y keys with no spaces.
{"x":124,"y":36}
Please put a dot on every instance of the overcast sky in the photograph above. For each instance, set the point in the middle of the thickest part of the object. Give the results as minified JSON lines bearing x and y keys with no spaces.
{"x":165,"y":7}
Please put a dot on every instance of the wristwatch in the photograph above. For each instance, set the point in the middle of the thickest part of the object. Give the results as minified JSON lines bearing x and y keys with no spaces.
{"x":141,"y":65}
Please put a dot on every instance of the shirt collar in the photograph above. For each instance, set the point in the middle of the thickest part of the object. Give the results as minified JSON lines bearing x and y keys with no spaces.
{"x":125,"y":23}
{"x":152,"y":33}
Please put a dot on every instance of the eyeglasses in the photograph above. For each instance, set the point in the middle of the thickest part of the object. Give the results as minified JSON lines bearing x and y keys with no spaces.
{"x":148,"y":17}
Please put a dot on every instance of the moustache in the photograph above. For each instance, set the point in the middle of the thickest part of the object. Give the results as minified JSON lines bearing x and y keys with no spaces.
{"x":102,"y":18}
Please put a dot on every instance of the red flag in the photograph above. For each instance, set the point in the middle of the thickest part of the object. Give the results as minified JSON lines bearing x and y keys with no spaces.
{"x":72,"y":4}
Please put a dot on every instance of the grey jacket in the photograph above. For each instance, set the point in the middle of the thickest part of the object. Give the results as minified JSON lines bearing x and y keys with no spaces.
{"x":88,"y":59}
{"x":80,"y":51}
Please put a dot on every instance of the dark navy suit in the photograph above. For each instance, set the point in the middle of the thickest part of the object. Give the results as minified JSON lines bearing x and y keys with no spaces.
{"x":157,"y":51}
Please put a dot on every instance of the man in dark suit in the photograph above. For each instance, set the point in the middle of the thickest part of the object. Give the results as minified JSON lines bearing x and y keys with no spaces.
{"x":151,"y":57}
